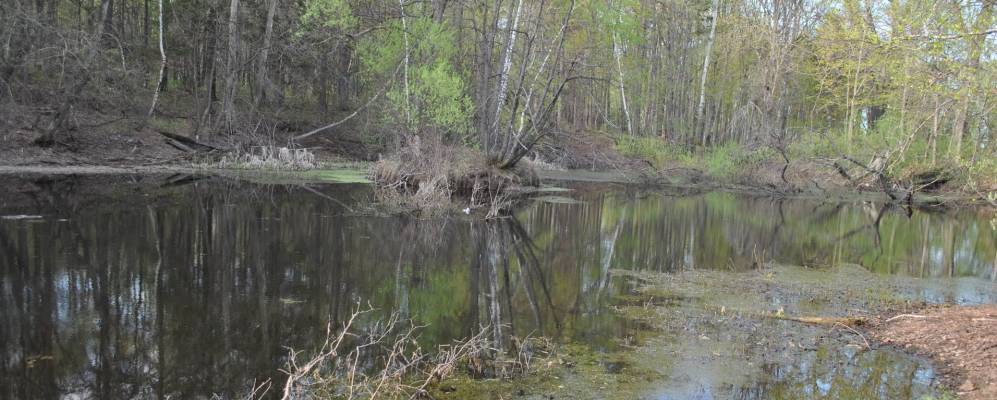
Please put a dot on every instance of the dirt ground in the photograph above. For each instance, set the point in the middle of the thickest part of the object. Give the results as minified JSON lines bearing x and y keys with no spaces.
{"x":110,"y":140}
{"x":114,"y":144}
{"x":962,"y":341}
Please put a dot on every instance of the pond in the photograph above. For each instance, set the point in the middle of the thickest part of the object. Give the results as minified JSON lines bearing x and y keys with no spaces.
{"x":193,"y":287}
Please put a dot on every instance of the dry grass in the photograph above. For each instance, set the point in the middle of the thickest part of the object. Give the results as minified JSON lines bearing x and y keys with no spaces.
{"x":433,"y":178}
{"x":420,"y":177}
{"x":384,"y":360}
{"x":270,"y":158}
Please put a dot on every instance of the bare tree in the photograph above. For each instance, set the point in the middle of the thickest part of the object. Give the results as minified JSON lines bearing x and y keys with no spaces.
{"x":618,"y":54}
{"x":262,"y":81}
{"x":162,"y":64}
{"x":700,"y":124}
{"x":231,"y":67}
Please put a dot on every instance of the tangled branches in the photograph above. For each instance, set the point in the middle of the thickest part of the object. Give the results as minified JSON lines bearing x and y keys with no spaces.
{"x":384,"y":360}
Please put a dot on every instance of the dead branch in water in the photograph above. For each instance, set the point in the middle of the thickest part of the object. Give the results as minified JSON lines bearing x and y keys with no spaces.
{"x":259,"y":391}
{"x":384,"y":360}
{"x":847,"y":321}
{"x":296,"y":373}
{"x":855,"y":332}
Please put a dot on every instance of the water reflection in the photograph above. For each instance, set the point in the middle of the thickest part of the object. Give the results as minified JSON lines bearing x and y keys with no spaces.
{"x":196,"y":290}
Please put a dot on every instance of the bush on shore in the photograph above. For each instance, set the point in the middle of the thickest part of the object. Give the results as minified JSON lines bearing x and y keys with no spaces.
{"x":434,"y":178}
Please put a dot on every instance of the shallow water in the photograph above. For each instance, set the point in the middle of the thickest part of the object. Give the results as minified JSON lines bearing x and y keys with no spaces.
{"x":155,"y":287}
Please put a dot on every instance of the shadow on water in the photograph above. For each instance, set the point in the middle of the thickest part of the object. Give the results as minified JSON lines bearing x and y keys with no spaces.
{"x":199,"y":288}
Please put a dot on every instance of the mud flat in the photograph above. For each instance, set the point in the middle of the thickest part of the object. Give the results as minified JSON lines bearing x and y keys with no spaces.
{"x":962,"y":342}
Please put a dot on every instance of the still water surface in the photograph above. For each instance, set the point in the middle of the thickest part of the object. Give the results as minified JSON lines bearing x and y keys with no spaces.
{"x":197,"y":289}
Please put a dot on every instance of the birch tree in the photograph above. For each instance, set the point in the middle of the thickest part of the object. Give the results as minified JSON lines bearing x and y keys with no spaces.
{"x":700,"y":124}
{"x":162,"y":63}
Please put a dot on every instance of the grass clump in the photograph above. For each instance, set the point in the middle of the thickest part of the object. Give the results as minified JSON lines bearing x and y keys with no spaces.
{"x":432,"y":178}
{"x":654,"y":150}
{"x":723,"y":161}
{"x":270,"y":158}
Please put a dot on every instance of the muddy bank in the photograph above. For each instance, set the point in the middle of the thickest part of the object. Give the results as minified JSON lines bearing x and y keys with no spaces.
{"x":108,"y":145}
{"x":114,"y":140}
{"x":960,"y":340}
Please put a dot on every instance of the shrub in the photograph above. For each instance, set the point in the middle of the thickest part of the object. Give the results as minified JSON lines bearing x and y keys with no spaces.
{"x":730,"y":159}
{"x":723,"y":161}
{"x":654,"y":150}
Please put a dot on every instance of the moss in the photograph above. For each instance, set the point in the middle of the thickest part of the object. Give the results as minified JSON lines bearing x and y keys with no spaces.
{"x":330,"y":174}
{"x":579,"y":373}
{"x":339,"y":175}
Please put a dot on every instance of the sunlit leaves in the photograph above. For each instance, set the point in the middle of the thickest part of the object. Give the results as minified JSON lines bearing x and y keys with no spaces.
{"x":331,"y":14}
{"x":438,"y":95}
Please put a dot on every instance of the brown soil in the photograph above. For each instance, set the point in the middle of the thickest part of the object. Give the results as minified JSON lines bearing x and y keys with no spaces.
{"x":97,"y":140}
{"x":112,"y":140}
{"x":592,"y":151}
{"x":961,"y":340}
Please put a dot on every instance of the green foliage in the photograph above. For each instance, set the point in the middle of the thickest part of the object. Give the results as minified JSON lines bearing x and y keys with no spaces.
{"x":983,"y":173}
{"x":657,"y":151}
{"x":332,"y":14}
{"x":723,"y":161}
{"x":730,"y":159}
{"x":436,"y":97}
{"x":442,"y":96}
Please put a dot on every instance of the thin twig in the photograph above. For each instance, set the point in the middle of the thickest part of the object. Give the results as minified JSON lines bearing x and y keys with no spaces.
{"x":901,"y":316}
{"x":857,"y":333}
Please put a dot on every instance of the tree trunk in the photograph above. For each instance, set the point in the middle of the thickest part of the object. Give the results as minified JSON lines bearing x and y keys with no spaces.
{"x":934,"y":130}
{"x":231,"y":66}
{"x":323,"y":83}
{"x":503,"y":83}
{"x":706,"y":67}
{"x":439,"y":7}
{"x":873,"y":114}
{"x":983,"y":21}
{"x":145,"y":24}
{"x":618,"y":54}
{"x":106,"y":19}
{"x":408,"y":111}
{"x":162,"y":64}
{"x":262,"y":83}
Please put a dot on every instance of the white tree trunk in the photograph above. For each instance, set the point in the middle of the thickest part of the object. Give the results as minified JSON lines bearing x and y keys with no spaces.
{"x":408,"y":112}
{"x":506,"y":65}
{"x":618,"y":53}
{"x":706,"y":67}
{"x":162,"y":59}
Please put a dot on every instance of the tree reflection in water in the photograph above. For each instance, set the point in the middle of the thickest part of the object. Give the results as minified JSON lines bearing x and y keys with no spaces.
{"x":197,"y":289}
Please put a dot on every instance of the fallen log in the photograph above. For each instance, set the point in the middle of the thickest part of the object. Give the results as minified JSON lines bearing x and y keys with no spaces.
{"x":846,"y":321}
{"x":185,"y":143}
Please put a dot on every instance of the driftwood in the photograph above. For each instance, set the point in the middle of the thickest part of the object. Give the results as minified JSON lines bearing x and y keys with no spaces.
{"x":849,"y":323}
{"x":846,"y":321}
{"x":186,"y":144}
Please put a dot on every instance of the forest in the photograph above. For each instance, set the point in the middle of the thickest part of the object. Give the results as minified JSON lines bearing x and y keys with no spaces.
{"x":902,"y":91}
{"x":239,"y":199}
